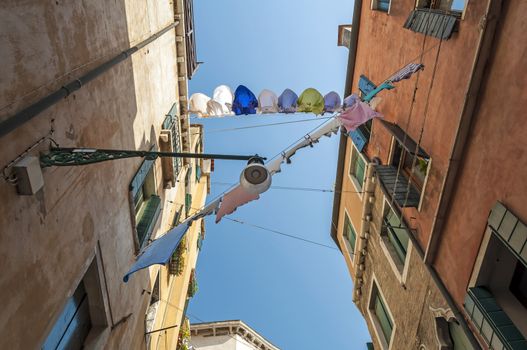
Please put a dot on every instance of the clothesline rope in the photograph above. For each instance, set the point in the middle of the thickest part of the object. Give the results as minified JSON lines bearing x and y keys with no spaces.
{"x":261,"y":125}
{"x":292,"y":188}
{"x":425,"y":113}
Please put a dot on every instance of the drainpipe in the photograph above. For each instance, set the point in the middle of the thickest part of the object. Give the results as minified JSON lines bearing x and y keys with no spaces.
{"x":36,"y":108}
{"x":364,"y":233}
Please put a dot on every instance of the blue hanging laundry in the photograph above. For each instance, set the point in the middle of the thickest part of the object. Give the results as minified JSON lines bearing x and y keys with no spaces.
{"x":245,"y":101}
{"x":332,"y":102}
{"x":287,"y":101}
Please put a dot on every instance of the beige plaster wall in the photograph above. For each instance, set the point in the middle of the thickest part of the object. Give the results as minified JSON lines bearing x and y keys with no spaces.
{"x":47,"y":240}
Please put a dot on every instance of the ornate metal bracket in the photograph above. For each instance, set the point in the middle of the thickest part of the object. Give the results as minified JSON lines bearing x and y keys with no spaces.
{"x":84,"y":156}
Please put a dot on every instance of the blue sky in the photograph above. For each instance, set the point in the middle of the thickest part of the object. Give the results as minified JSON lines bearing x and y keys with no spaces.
{"x":296,"y":294}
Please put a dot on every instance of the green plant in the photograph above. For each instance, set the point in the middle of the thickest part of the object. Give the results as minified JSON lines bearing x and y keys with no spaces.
{"x":193,"y":285}
{"x":177,"y":262}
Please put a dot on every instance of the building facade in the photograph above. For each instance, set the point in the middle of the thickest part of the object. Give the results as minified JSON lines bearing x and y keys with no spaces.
{"x":109,"y":75}
{"x":227,"y":335}
{"x":426,"y":222}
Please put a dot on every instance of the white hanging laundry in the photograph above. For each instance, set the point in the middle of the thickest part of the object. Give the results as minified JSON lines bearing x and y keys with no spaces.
{"x":214,"y":108}
{"x":267,"y":102}
{"x":198,"y":104}
{"x":223,"y":94}
{"x":206,"y":167}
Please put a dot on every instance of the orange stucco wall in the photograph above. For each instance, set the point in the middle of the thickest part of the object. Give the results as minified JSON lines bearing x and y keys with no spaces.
{"x":350,"y":203}
{"x":495,"y":162}
{"x":384,"y":47}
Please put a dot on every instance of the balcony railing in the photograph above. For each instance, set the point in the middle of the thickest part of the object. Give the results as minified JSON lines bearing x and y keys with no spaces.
{"x":397,"y":186}
{"x":491,"y":321}
{"x":436,"y":23}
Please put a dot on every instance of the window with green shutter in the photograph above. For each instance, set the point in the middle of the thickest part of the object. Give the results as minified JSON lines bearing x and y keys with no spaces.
{"x":357,"y":168}
{"x":382,"y":317}
{"x":147,"y":204}
{"x":349,"y":233}
{"x":188,"y":203}
{"x":397,"y":232}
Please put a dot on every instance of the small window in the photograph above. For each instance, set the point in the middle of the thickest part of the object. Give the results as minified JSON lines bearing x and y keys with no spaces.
{"x":381,"y":5}
{"x":73,"y":325}
{"x":147,"y":206}
{"x":84,"y":318}
{"x":396,"y":232}
{"x":415,"y":169}
{"x":382,"y":319}
{"x":455,"y":6}
{"x":349,"y":233}
{"x":357,"y":168}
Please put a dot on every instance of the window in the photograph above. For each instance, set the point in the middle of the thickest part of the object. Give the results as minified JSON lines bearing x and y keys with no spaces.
{"x":518,"y":285}
{"x":415,"y":170}
{"x":496,"y":299}
{"x":381,"y":5}
{"x":170,"y":142}
{"x":83,"y":320}
{"x":73,"y":324}
{"x":349,"y":233}
{"x":380,"y":316}
{"x":147,"y":204}
{"x":455,"y":6}
{"x":357,"y":168}
{"x":396,"y":232}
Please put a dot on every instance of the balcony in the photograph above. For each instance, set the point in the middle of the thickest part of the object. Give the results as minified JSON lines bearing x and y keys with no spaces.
{"x":397,"y":186}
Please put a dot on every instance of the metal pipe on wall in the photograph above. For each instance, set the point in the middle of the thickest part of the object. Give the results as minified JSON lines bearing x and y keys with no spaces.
{"x":36,"y":108}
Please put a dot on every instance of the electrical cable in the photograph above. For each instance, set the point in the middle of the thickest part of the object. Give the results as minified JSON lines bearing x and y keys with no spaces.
{"x":280,"y":233}
{"x":307,"y":189}
{"x":400,"y":165}
{"x":261,"y":125}
{"x":425,"y":113}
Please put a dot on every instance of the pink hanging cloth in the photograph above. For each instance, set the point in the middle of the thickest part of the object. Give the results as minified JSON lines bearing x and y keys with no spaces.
{"x":356,"y":114}
{"x":234,"y":199}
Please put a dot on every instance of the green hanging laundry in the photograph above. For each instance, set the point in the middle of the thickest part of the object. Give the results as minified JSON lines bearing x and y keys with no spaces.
{"x":311,"y":101}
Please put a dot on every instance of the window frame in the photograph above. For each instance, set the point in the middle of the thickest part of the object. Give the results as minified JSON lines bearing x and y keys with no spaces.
{"x":355,"y":181}
{"x":399,"y":266}
{"x":149,"y":185}
{"x":94,"y":282}
{"x":421,"y":188}
{"x":376,"y":292}
{"x":351,"y":249}
{"x":375,"y":6}
{"x":457,"y":13}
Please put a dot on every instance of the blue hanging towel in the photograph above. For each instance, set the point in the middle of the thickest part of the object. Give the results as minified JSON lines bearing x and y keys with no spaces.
{"x":245,"y":102}
{"x":287,"y":101}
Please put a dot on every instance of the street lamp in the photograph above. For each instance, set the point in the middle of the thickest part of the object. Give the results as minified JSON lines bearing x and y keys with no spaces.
{"x":58,"y":156}
{"x":28,"y":170}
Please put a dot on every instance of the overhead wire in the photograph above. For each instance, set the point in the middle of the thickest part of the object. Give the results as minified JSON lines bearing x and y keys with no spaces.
{"x":262,"y":125}
{"x":292,"y":188}
{"x":425,"y":113}
{"x":239,"y":221}
{"x":280,"y":233}
{"x":400,"y":165}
